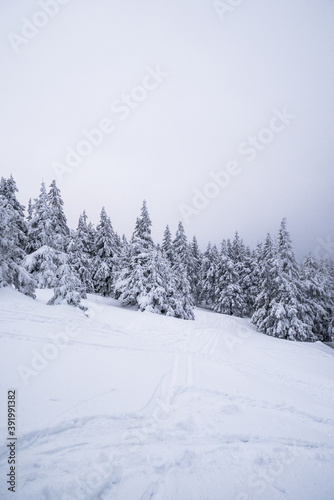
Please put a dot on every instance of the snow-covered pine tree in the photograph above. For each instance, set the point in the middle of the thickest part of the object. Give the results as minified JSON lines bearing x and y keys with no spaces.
{"x":12,"y":271}
{"x":229,"y":294}
{"x":250,"y":278}
{"x":209,"y":275}
{"x":58,"y":222}
{"x":327,"y":268}
{"x":287,"y":313}
{"x":80,"y":263}
{"x":87,"y":235}
{"x":319,"y":296}
{"x":181,"y":300}
{"x":42,"y":265}
{"x":180,"y":246}
{"x":83,"y":235}
{"x":180,"y":268}
{"x":104,"y":267}
{"x":266,"y":284}
{"x":29,"y":212}
{"x":66,"y":285}
{"x":39,"y":226}
{"x":8,"y":190}
{"x":133,"y":279}
{"x":167,"y":246}
{"x":194,"y":270}
{"x":156,"y":296}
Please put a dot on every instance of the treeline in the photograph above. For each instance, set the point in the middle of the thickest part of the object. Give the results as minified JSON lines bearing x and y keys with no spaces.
{"x":282,"y":297}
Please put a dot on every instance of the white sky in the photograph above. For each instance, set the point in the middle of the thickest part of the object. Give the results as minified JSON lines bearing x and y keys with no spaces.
{"x":225,"y":76}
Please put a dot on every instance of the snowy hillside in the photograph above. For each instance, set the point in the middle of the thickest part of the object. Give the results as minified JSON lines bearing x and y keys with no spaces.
{"x":136,"y":406}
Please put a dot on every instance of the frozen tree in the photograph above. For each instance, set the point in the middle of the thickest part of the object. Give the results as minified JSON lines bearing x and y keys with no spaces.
{"x":156,"y":295}
{"x":12,"y":271}
{"x":167,"y":246}
{"x":66,"y":285}
{"x":182,"y":301}
{"x":29,"y":211}
{"x":209,"y":275}
{"x":319,"y":297}
{"x":39,"y":227}
{"x":266,"y":285}
{"x":105,"y":261}
{"x":194,"y":270}
{"x":42,"y":265}
{"x":281,"y":308}
{"x":8,"y":190}
{"x":249,"y":272}
{"x":80,"y":264}
{"x":133,"y":279}
{"x":58,"y":224}
{"x":229,"y":294}
{"x":180,"y":246}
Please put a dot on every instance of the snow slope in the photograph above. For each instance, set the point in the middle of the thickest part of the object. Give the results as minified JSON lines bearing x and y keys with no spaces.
{"x":127,"y":405}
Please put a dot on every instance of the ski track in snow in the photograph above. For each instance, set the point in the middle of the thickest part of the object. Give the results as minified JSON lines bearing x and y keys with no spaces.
{"x":225,"y":412}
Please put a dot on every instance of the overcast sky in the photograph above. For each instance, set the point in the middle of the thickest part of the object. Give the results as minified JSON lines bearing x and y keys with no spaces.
{"x":181,"y":89}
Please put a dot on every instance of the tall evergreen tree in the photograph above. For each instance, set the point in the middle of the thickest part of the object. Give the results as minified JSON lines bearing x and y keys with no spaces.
{"x":209,"y":276}
{"x":105,"y":261}
{"x":167,"y":246}
{"x":133,"y":279}
{"x":180,"y":246}
{"x":80,"y":263}
{"x":194,"y":270}
{"x":250,"y":278}
{"x":229,"y":295}
{"x":39,"y":228}
{"x":281,"y":309}
{"x":58,"y":224}
{"x":319,"y":297}
{"x":12,"y":271}
{"x":8,"y":190}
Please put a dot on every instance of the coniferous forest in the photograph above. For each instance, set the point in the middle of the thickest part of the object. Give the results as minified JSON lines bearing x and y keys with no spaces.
{"x":283,"y":298}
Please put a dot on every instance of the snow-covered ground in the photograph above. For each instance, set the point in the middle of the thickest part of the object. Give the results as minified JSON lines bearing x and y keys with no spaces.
{"x":127,"y":405}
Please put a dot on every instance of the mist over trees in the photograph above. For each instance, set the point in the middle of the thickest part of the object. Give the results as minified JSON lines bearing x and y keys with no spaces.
{"x":283,"y":298}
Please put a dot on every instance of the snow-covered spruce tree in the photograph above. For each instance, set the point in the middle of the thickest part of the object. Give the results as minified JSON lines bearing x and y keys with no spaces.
{"x":281,"y":310}
{"x":180,"y":246}
{"x":319,"y":296}
{"x":29,"y":211}
{"x":8,"y":190}
{"x":328,"y":268}
{"x":181,"y":271}
{"x":42,"y":265}
{"x":52,"y":269}
{"x":106,"y":249}
{"x":12,"y":238}
{"x":133,"y":279}
{"x":156,"y":296}
{"x":209,"y":276}
{"x":249,"y":279}
{"x":266,"y":284}
{"x":80,"y":263}
{"x":66,"y":285}
{"x":124,"y":263}
{"x":39,"y":226}
{"x":47,"y":222}
{"x":58,"y":224}
{"x":86,"y":234}
{"x":229,"y":294}
{"x":194,"y":270}
{"x":167,"y":246}
{"x":181,"y":300}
